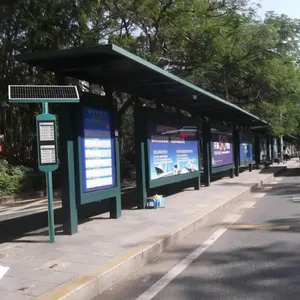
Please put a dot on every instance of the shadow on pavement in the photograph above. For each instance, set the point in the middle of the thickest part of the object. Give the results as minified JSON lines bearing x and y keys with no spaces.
{"x":264,"y":272}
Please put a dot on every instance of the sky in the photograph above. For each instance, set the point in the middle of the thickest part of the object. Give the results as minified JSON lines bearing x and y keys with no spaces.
{"x":288,"y":7}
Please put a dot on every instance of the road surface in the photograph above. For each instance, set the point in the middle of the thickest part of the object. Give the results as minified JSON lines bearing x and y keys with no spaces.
{"x":248,"y":251}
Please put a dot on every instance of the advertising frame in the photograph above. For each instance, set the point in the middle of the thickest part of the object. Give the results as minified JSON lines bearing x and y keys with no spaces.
{"x":225,"y":130}
{"x":246,"y":138}
{"x":168,"y":119}
{"x":109,"y":191}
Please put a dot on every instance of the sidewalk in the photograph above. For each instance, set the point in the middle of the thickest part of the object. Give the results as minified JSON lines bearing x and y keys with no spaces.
{"x":105,"y":250}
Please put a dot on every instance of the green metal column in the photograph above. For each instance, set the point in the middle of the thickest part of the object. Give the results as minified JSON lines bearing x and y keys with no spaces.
{"x":236,"y":150}
{"x":268,"y":147}
{"x":257,"y":150}
{"x":140,"y":145}
{"x":272,"y":149}
{"x":115,"y":209}
{"x":116,"y":206}
{"x":206,"y":135}
{"x":67,"y":125}
{"x":198,"y":180}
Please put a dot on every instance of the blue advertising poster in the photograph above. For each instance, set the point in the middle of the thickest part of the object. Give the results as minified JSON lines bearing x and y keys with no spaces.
{"x":173,"y":150}
{"x":221,"y":149}
{"x":246,"y":152}
{"x":246,"y":148}
{"x":98,"y":150}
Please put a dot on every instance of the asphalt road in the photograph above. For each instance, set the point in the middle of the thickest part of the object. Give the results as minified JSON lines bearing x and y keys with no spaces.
{"x":250,"y":250}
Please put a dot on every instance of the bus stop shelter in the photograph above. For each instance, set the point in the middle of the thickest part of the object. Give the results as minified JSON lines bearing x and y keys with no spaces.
{"x":119,"y":70}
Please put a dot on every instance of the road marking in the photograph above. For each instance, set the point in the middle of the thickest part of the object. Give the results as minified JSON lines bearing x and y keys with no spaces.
{"x":278,"y":179}
{"x":3,"y":271}
{"x":259,"y":195}
{"x":274,"y":182}
{"x":230,"y":219}
{"x":263,"y":227}
{"x":179,"y":268}
{"x":267,"y":188}
{"x":248,"y":204}
{"x":296,"y":199}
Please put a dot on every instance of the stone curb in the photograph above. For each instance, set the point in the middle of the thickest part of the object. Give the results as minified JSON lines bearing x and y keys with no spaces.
{"x":91,"y":285}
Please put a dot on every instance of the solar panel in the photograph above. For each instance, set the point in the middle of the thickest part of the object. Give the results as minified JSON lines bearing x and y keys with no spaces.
{"x":43,"y":93}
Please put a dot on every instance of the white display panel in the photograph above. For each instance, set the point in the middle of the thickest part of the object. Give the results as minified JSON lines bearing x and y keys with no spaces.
{"x":48,"y":154}
{"x":47,"y":131}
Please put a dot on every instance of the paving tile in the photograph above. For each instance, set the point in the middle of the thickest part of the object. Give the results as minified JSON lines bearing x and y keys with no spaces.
{"x":24,"y":286}
{"x":36,"y":268}
{"x":14,"y":296}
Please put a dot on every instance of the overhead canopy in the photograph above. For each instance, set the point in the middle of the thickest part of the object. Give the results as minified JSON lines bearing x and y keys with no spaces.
{"x":129,"y":73}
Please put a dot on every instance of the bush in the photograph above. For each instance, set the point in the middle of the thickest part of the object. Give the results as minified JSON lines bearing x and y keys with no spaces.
{"x":16,"y":179}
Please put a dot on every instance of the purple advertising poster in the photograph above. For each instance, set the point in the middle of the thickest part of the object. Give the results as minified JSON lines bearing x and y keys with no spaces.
{"x":221,"y":150}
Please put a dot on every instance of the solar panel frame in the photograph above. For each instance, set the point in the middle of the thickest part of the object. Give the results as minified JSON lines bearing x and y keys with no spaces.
{"x":43,"y":93}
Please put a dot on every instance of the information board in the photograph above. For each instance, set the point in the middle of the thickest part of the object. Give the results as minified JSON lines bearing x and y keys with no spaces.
{"x":173,"y":150}
{"x":98,"y":150}
{"x":246,"y":148}
{"x":221,"y":149}
{"x":47,"y":144}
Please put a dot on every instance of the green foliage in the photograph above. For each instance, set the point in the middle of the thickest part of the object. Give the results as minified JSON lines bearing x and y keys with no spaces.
{"x":219,"y":45}
{"x":12,"y":178}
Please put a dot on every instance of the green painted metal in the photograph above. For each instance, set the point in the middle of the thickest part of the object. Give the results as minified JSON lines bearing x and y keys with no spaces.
{"x":268,"y":147}
{"x":49,"y":100}
{"x":272,"y":148}
{"x":206,"y":135}
{"x":141,"y":157}
{"x":98,"y":102}
{"x":161,"y":116}
{"x":43,"y":118}
{"x":236,"y":150}
{"x":222,"y":169}
{"x":257,"y":150}
{"x":147,"y":81}
{"x":67,"y":135}
{"x":50,"y":207}
{"x":174,"y":179}
{"x":48,"y":168}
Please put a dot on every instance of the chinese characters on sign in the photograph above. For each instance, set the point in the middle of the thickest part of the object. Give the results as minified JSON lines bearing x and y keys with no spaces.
{"x":97,"y":147}
{"x":173,"y":150}
{"x":46,"y":131}
{"x":221,"y":149}
{"x":48,"y":154}
{"x":47,"y":142}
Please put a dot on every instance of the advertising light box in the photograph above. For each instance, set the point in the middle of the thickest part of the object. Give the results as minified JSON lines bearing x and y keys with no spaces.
{"x":173,"y":150}
{"x":98,"y":150}
{"x":246,"y":148}
{"x":221,"y":149}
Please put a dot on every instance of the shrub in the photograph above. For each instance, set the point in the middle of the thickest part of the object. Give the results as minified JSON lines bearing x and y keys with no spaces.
{"x":13,"y":179}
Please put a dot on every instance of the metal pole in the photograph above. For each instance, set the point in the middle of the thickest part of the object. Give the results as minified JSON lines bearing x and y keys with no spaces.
{"x":49,"y":194}
{"x":50,"y":207}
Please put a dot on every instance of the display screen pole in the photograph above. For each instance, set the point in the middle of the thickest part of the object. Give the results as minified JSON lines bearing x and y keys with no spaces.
{"x":49,"y":194}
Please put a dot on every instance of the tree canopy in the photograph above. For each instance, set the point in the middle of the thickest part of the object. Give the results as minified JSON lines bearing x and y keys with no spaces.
{"x":219,"y":45}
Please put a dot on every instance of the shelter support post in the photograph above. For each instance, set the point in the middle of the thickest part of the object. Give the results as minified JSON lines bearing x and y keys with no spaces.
{"x":140,"y":145}
{"x":250,"y":167}
{"x":268,"y":147}
{"x":66,"y":154}
{"x":206,"y":136}
{"x":272,"y":149}
{"x":257,"y":150}
{"x":115,"y":206}
{"x":236,"y":150}
{"x":67,"y":137}
{"x":198,"y":179}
